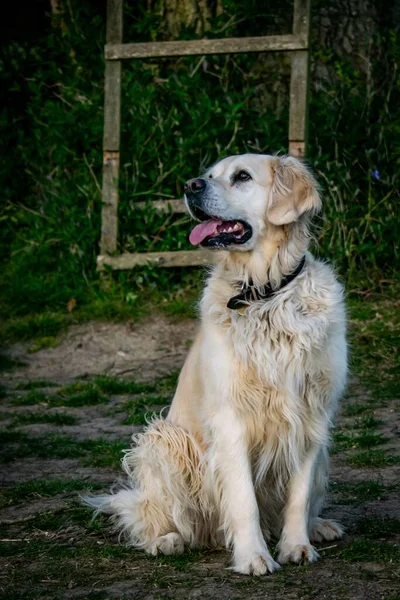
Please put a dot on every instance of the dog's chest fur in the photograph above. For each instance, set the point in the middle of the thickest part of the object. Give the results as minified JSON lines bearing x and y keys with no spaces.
{"x":279,"y":349}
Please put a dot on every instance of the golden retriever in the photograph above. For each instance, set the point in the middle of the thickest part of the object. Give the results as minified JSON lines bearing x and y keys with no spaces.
{"x":243,"y":453}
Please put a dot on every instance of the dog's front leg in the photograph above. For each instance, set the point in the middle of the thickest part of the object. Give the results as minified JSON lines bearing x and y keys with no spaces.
{"x":294,"y":544}
{"x":229,"y":456}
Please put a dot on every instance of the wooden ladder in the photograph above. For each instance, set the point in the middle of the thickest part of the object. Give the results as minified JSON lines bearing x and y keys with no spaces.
{"x":115,"y":51}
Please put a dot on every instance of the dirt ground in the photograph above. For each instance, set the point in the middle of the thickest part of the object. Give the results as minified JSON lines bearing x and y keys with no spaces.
{"x":63,"y":432}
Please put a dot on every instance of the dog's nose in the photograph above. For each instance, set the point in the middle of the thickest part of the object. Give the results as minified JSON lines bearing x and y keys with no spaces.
{"x":195,"y":186}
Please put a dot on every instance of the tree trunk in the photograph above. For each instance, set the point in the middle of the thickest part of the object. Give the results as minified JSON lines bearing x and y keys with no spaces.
{"x":178,"y":15}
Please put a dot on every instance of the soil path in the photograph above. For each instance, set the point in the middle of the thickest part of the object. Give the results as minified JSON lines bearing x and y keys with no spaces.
{"x":61,"y":440}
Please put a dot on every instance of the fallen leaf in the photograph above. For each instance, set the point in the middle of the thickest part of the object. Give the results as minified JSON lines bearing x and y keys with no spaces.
{"x":71,"y":304}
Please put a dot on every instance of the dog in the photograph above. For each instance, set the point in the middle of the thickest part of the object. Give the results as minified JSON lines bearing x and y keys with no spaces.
{"x":242,"y":455}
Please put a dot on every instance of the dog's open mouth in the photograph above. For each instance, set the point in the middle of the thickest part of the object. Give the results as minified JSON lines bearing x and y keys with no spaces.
{"x":218,"y":233}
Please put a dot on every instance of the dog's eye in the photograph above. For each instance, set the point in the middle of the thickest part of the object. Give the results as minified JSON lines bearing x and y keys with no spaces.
{"x":241,"y":176}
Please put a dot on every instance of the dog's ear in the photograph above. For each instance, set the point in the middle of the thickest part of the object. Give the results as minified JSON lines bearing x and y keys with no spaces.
{"x":294,"y":191}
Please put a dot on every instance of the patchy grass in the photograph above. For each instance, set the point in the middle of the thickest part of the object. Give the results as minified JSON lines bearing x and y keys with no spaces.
{"x":375,"y":528}
{"x":40,"y":488}
{"x":31,"y":398}
{"x":42,"y":343}
{"x":364,"y":550}
{"x":364,"y":491}
{"x":181,"y":307}
{"x":141,"y":409}
{"x":75,"y":515}
{"x":366,"y":439}
{"x":182,"y":561}
{"x":353,"y":410}
{"x":38,"y":384}
{"x":43,"y":325}
{"x":16,"y":444}
{"x":367,"y":422}
{"x":53,"y":552}
{"x":115,"y":385}
{"x":101,"y":453}
{"x":79,"y":394}
{"x":98,"y":391}
{"x":373,"y":458}
{"x":375,"y":335}
{"x":50,"y":418}
{"x":7,"y":363}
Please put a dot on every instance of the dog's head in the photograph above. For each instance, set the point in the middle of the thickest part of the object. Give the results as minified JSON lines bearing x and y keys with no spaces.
{"x":239,"y":196}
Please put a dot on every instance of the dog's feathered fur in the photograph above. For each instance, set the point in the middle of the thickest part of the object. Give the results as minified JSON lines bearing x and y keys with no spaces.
{"x":242,"y":454}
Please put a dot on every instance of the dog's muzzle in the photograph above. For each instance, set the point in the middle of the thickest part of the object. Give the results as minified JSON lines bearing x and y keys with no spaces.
{"x":194,"y":192}
{"x":195,"y":186}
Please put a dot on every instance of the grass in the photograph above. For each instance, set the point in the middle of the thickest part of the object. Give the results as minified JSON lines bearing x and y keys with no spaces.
{"x":44,"y":325}
{"x":79,"y":394}
{"x":40,"y":488}
{"x":42,"y":343}
{"x":374,"y":335}
{"x":38,"y":549}
{"x":115,"y":385}
{"x":49,"y":418}
{"x":103,"y":453}
{"x":37,"y":384}
{"x":7,"y":363}
{"x":98,"y":391}
{"x":75,"y":515}
{"x":364,"y":491}
{"x":367,"y":422}
{"x":375,"y":528}
{"x":364,"y":550}
{"x":141,"y":409}
{"x":354,"y":410}
{"x":366,"y":439}
{"x":183,"y":561}
{"x":31,"y":398}
{"x":373,"y":458}
{"x":99,"y":452}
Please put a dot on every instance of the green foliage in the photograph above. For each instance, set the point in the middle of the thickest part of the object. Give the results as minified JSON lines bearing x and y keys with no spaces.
{"x":178,"y":116}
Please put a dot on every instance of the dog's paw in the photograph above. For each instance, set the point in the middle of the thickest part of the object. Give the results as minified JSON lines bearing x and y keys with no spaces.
{"x":255,"y":564}
{"x":301,"y":554}
{"x":325,"y":529}
{"x":171,"y":543}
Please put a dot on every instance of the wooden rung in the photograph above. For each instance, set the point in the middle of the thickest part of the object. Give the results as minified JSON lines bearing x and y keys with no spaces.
{"x":181,"y":258}
{"x":176,"y":206}
{"x":270,"y":43}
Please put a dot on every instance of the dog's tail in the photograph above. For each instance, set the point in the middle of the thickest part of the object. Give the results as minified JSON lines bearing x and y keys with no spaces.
{"x":164,"y":492}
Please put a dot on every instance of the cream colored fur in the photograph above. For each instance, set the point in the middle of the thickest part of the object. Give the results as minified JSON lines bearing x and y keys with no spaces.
{"x":242,"y":454}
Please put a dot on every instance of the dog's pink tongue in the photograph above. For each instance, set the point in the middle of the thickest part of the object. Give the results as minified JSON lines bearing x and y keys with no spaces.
{"x":203,"y":230}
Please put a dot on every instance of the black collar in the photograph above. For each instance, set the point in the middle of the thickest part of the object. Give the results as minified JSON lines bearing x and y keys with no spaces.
{"x":250,"y":293}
